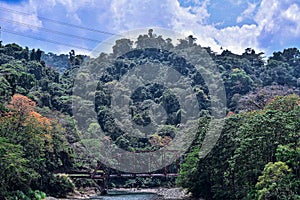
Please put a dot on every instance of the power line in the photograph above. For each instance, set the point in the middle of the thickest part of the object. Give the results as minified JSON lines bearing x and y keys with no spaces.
{"x":45,"y":40}
{"x":59,"y":22}
{"x":50,"y":30}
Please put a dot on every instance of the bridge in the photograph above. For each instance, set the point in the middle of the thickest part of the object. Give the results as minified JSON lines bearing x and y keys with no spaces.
{"x":105,"y":173}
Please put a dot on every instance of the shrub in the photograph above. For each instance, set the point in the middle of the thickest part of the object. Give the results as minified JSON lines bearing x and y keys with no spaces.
{"x":61,"y":185}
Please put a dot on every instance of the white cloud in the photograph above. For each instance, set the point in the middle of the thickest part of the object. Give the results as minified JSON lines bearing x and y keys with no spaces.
{"x":33,"y":6}
{"x":237,"y":38}
{"x":128,"y":15}
{"x":267,"y":15}
{"x":248,"y":13}
{"x":271,"y":18}
{"x":278,"y":23}
{"x":292,"y":15}
{"x":235,"y":2}
{"x":131,"y":14}
{"x":234,"y":38}
{"x":30,"y":19}
{"x":279,"y":16}
{"x":191,"y":15}
{"x":72,"y":6}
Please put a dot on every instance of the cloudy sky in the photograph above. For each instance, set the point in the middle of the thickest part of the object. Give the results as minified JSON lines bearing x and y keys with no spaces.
{"x":265,"y":25}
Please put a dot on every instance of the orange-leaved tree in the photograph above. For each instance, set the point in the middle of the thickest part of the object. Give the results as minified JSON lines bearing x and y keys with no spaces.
{"x":40,"y":141}
{"x":24,"y":108}
{"x":21,"y":104}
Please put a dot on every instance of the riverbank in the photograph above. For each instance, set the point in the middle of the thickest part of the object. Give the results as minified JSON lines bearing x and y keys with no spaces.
{"x":163,"y":193}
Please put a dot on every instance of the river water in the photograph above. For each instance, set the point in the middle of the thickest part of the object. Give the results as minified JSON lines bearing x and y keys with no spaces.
{"x":127,"y":196}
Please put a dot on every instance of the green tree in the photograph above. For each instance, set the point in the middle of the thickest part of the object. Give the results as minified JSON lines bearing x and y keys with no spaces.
{"x":247,"y":143}
{"x":238,"y":82}
{"x":14,"y":171}
{"x":277,"y":182}
{"x":290,"y":154}
{"x":122,"y":46}
{"x":40,"y":148}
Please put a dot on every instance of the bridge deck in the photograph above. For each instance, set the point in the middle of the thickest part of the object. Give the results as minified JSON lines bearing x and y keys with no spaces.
{"x":100,"y":173}
{"x":103,"y":176}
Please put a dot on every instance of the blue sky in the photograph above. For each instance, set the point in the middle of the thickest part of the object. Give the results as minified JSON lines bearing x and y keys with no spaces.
{"x":265,"y":25}
{"x":12,"y":1}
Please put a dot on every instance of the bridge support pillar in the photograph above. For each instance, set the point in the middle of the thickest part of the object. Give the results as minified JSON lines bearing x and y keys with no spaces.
{"x":102,"y":189}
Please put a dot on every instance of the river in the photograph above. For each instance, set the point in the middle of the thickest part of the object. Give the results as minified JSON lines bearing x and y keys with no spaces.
{"x":144,"y":194}
{"x":129,"y":197}
{"x":133,"y":194}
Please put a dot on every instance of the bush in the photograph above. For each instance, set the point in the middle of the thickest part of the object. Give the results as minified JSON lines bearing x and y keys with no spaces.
{"x":60,"y":185}
{"x":31,"y":195}
{"x":85,"y":183}
{"x":36,"y":195}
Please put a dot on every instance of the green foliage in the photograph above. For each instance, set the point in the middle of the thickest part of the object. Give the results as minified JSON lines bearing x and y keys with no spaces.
{"x":189,"y":172}
{"x":277,"y":182}
{"x":14,"y":170}
{"x":5,"y":89}
{"x":31,"y":148}
{"x":60,"y":185}
{"x":30,"y":195}
{"x":238,"y":82}
{"x":286,"y":104}
{"x":236,"y":168}
{"x":247,"y":144}
{"x":122,"y":46}
{"x":290,"y":154}
{"x":16,"y":78}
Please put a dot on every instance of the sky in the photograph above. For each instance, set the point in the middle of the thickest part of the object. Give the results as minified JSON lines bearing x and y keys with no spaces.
{"x":264,"y":25}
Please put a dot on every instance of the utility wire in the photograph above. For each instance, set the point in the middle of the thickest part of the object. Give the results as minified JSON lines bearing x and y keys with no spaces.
{"x":49,"y":30}
{"x":59,"y":22}
{"x":45,"y":40}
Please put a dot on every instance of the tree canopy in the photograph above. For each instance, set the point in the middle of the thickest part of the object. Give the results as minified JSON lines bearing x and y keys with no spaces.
{"x":255,"y":157}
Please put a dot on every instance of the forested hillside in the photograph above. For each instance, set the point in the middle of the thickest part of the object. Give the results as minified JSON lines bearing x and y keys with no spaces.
{"x":256,"y":157}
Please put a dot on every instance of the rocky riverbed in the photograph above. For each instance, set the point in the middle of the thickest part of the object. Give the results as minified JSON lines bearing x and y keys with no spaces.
{"x":163,"y":193}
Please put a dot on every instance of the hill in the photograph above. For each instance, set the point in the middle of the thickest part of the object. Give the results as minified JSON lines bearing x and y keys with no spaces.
{"x":159,"y":87}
